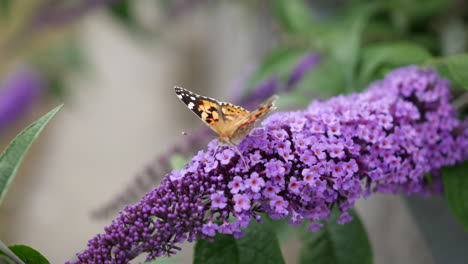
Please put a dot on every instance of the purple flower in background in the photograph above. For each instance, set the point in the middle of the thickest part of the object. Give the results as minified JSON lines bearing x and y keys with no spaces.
{"x":265,"y":89}
{"x":308,"y":62}
{"x":18,"y":91}
{"x":368,"y":156}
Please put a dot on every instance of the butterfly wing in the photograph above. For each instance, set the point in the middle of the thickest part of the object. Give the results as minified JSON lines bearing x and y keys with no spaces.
{"x":232,"y":123}
{"x":217,"y":115}
{"x":246,"y":124}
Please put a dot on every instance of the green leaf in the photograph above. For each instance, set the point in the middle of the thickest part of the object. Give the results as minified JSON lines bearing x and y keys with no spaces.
{"x":122,"y":11}
{"x":455,"y":181}
{"x":389,"y":55}
{"x":279,"y":63}
{"x":66,"y":54}
{"x":292,"y":100}
{"x":345,"y":40}
{"x":5,"y":6}
{"x":416,"y":10}
{"x":6,"y":260}
{"x":325,"y":80}
{"x":293,"y":16}
{"x":7,"y":256}
{"x":283,"y":231}
{"x":337,"y":244}
{"x":27,"y":254}
{"x":457,"y":68}
{"x":12,"y":156}
{"x":178,"y":162}
{"x":259,"y":246}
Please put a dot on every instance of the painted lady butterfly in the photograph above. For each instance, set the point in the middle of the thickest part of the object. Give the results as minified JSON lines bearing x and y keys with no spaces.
{"x":232,"y":123}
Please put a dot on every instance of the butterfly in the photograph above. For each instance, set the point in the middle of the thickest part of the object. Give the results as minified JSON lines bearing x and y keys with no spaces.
{"x":232,"y":123}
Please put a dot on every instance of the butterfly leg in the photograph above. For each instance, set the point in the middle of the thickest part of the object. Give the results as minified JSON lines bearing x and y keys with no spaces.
{"x":240,"y":155}
{"x":216,"y":150}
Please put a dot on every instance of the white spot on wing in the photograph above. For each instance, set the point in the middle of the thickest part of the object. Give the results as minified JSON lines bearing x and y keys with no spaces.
{"x":190,"y":105}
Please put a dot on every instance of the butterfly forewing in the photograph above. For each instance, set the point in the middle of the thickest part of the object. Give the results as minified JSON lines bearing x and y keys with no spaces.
{"x":206,"y":108}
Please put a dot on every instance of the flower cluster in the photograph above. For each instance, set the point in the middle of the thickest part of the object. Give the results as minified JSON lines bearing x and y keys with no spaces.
{"x":300,"y":165}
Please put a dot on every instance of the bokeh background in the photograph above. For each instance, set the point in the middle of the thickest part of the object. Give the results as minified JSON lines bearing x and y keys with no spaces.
{"x":115,"y":72}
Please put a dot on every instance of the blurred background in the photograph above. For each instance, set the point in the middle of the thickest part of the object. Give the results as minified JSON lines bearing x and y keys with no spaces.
{"x":114,"y":64}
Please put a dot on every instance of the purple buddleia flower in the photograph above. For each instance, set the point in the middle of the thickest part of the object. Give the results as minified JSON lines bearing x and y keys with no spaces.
{"x":17,"y":93}
{"x":368,"y":156}
{"x":218,"y":200}
{"x":306,"y":63}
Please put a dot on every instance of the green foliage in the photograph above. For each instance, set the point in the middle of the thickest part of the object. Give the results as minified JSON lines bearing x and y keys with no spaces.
{"x":178,"y":161}
{"x":27,"y":254}
{"x":66,"y":54}
{"x":416,"y":10}
{"x":337,"y":244}
{"x":14,"y":153}
{"x":293,"y":16}
{"x":278,"y":62}
{"x":122,"y":11}
{"x":326,"y":79}
{"x":454,"y":68}
{"x":57,"y":62}
{"x":378,"y":59}
{"x":455,"y":181}
{"x":345,"y":46}
{"x":259,"y":245}
{"x":4,"y":8}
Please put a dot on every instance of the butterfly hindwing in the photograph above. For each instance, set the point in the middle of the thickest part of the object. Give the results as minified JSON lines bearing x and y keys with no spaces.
{"x":246,"y":124}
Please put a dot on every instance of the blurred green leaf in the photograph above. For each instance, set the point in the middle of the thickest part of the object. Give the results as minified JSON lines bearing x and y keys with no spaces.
{"x":337,"y":244}
{"x":325,"y":80}
{"x":416,"y":10}
{"x":178,"y":162}
{"x":453,"y":37}
{"x":122,"y":11}
{"x":283,"y":231}
{"x":293,"y":16}
{"x":455,"y":181}
{"x":389,"y":55}
{"x":279,"y":63}
{"x":259,"y":246}
{"x":455,"y":68}
{"x":345,"y":37}
{"x":6,"y":260}
{"x":27,"y":254}
{"x":7,"y":256}
{"x":56,"y":87}
{"x":14,"y":153}
{"x":5,"y":8}
{"x":64,"y":55}
{"x":292,"y":100}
